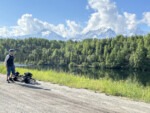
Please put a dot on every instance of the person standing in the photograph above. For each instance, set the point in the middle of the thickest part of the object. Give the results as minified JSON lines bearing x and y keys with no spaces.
{"x":9,"y":62}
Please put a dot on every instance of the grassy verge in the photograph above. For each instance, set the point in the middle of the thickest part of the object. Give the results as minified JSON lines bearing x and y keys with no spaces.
{"x":126,"y":88}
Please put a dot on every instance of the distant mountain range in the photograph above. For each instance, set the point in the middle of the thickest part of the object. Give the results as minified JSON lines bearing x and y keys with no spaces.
{"x":50,"y":36}
{"x":100,"y":33}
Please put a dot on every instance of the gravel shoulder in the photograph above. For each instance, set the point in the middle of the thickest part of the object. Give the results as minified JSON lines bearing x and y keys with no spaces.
{"x":52,"y":98}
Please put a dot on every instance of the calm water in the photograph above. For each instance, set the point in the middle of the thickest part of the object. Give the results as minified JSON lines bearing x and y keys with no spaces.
{"x":140,"y":76}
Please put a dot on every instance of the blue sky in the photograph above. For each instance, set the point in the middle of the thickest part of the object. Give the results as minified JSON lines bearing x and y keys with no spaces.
{"x":78,"y":11}
{"x":133,"y":6}
{"x":53,"y":11}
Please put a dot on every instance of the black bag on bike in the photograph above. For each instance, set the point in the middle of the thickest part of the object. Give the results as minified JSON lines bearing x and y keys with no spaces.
{"x":27,"y":77}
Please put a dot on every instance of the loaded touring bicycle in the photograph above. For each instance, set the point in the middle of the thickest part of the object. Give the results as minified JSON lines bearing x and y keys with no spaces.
{"x":26,"y":78}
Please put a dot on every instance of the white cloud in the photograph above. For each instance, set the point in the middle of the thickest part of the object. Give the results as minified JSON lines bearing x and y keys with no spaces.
{"x":146,"y":18}
{"x":74,"y":28}
{"x":4,"y":32}
{"x":105,"y":15}
{"x":131,"y":21}
{"x":102,"y":5}
{"x":27,"y":25}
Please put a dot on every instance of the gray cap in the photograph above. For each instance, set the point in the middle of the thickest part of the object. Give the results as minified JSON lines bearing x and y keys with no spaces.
{"x":11,"y":50}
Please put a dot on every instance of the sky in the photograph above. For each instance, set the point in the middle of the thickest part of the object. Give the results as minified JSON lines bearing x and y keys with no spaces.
{"x":69,"y":18}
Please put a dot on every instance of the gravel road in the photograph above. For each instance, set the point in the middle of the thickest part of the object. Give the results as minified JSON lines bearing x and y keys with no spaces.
{"x":52,"y":98}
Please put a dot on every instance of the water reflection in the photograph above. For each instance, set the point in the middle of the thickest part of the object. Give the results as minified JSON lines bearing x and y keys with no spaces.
{"x":93,"y":73}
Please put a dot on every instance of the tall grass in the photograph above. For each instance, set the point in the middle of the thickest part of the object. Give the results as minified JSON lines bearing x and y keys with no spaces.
{"x":122,"y":88}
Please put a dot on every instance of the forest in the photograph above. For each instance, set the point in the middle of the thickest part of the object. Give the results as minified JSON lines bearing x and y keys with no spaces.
{"x":121,"y":52}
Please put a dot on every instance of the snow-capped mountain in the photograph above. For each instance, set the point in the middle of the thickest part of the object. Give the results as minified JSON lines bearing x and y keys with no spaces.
{"x":50,"y":35}
{"x":100,"y":33}
{"x":53,"y":36}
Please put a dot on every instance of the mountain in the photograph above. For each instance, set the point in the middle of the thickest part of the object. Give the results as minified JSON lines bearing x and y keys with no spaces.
{"x":53,"y":36}
{"x":50,"y":35}
{"x":99,"y":34}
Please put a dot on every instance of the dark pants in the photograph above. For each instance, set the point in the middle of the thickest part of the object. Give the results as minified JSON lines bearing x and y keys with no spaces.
{"x":10,"y":69}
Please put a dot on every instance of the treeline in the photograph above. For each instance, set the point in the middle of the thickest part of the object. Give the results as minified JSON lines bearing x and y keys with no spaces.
{"x":119,"y":52}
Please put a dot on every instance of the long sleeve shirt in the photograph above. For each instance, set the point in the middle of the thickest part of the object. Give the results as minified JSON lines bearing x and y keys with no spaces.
{"x":6,"y":59}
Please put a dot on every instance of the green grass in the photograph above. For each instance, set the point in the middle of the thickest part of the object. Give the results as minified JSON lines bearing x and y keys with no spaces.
{"x":132,"y":90}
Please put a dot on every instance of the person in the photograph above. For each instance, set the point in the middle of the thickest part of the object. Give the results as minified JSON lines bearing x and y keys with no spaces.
{"x":9,"y":62}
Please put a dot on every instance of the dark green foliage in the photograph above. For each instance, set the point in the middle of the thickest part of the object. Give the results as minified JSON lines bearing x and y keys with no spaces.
{"x":72,"y":64}
{"x":120,"y":52}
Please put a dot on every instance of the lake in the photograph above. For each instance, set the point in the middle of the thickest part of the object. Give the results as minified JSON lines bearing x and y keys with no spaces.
{"x":93,"y":73}
{"x":142,"y":77}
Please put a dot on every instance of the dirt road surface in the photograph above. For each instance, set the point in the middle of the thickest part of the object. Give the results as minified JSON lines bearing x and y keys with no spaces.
{"x":52,"y":98}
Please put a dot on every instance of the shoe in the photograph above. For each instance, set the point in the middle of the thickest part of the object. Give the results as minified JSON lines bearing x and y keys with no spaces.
{"x":8,"y":81}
